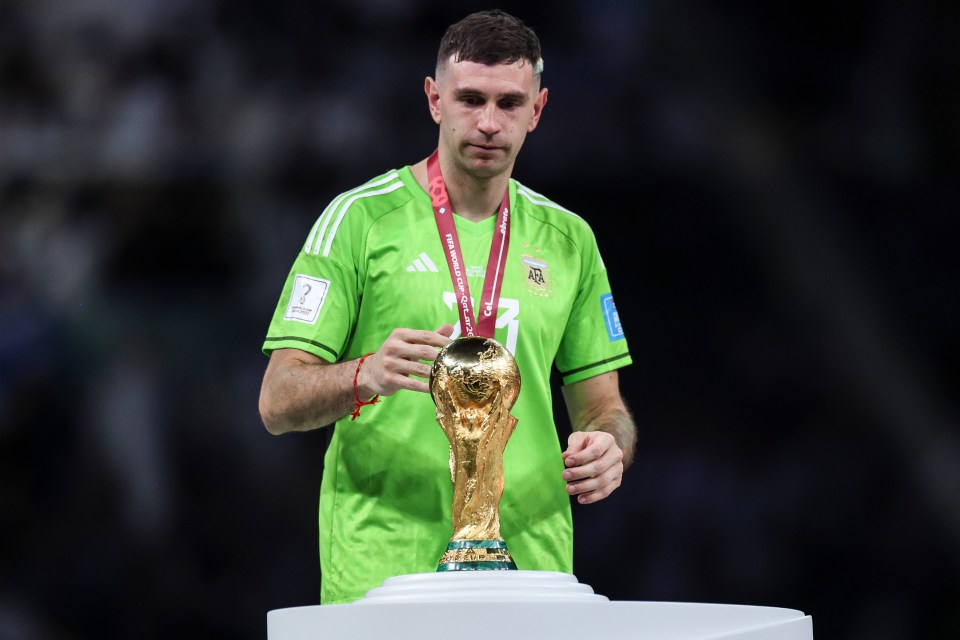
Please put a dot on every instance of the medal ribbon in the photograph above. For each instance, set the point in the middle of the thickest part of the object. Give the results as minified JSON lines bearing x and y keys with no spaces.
{"x":451,"y":249}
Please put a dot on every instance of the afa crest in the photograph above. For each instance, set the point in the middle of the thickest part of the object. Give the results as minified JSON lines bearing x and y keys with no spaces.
{"x":536,"y":274}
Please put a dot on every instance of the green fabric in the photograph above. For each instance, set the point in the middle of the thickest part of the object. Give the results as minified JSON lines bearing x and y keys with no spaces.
{"x":374,"y":262}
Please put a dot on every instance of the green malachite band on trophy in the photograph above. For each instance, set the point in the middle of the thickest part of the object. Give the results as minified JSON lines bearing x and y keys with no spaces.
{"x":477,"y":566}
{"x":476,"y":544}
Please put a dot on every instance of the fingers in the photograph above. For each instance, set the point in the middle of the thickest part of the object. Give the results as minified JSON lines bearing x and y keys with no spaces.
{"x":598,"y":487}
{"x":414,"y":344}
{"x":584,"y":446}
{"x":404,"y":365}
{"x":403,"y":361}
{"x":594,"y":466}
{"x":390,"y":383}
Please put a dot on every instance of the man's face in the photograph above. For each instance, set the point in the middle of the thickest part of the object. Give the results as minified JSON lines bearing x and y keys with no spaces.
{"x":484,"y":113}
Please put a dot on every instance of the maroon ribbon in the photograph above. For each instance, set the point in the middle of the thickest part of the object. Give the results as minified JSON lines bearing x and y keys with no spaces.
{"x":451,"y":249}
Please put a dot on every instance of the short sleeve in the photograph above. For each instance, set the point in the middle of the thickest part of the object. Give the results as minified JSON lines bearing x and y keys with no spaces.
{"x":320,"y":300}
{"x":593,"y":342}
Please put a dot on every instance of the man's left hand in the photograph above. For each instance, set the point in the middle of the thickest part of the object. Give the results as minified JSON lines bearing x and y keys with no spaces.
{"x":594,"y":465}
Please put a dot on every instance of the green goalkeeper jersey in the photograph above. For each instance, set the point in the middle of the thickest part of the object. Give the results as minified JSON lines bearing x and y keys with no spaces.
{"x":373,"y":262}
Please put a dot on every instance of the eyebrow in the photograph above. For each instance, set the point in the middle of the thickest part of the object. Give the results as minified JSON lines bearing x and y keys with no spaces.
{"x":519,"y":96}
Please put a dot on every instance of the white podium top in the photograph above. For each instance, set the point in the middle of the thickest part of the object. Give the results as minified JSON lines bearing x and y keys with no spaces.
{"x":508,"y":605}
{"x":482,"y":586}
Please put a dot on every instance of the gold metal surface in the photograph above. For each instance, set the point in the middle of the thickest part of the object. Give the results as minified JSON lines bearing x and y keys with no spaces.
{"x":474,"y":383}
{"x":475,"y":555}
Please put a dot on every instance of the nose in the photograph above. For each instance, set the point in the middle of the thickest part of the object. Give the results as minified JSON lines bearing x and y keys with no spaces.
{"x":489,"y":122}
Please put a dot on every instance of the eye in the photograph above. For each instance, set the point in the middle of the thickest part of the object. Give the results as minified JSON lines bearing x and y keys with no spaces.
{"x":472,"y":100}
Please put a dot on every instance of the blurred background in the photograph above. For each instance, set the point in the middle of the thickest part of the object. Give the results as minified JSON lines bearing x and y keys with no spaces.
{"x":774,"y":188}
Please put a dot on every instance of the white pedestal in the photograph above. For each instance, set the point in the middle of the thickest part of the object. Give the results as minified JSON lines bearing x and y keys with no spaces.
{"x":527,"y":605}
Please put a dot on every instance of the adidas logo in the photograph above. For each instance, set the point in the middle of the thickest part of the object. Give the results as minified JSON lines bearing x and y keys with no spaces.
{"x":423,"y":263}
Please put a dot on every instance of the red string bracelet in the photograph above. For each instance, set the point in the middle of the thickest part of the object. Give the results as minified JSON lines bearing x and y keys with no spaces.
{"x":359,"y":403}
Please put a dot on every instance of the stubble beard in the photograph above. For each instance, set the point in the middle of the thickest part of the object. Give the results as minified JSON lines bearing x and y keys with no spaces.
{"x":478,"y":167}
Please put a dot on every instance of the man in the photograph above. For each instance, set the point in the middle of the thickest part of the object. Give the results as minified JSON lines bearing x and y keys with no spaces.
{"x":389,"y":254}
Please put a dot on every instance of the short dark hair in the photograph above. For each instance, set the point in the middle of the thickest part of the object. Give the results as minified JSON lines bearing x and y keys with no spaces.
{"x":491,"y":37}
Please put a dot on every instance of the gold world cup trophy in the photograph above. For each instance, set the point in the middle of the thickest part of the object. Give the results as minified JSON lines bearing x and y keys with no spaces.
{"x":474,"y":383}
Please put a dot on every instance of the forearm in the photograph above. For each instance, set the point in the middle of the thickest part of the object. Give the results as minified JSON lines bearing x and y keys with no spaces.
{"x":595,"y":404}
{"x":300,"y":395}
{"x":301,"y":391}
{"x":618,"y":422}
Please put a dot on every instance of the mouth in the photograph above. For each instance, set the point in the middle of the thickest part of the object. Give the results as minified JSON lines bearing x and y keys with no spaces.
{"x":488,"y":148}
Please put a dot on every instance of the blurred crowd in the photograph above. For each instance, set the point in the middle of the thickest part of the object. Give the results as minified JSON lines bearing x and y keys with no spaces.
{"x":775,"y":193}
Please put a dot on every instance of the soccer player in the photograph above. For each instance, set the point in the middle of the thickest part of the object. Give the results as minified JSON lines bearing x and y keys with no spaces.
{"x":397,"y":267}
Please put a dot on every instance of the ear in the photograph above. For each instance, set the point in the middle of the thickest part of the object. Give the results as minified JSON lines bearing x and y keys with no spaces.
{"x":433,"y":98}
{"x":538,"y":106}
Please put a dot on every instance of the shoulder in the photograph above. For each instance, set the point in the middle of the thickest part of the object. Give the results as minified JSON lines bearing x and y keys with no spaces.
{"x":540,"y":207}
{"x":377,"y":194}
{"x":360,"y":207}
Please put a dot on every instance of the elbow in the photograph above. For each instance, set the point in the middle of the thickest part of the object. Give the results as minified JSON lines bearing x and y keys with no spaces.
{"x":269,"y":415}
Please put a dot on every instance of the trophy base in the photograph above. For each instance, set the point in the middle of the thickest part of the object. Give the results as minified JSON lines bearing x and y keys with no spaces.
{"x":476,"y":555}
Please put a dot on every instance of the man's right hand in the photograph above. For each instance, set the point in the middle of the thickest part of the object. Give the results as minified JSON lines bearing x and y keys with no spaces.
{"x":401,"y":362}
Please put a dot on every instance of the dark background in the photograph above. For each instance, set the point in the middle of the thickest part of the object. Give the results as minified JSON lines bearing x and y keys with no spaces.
{"x":773,"y":186}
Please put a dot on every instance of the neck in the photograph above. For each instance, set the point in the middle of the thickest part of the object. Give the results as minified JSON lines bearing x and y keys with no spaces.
{"x":471,"y":197}
{"x":474,"y":198}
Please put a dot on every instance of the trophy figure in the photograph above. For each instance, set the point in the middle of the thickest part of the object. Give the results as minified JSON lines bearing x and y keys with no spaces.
{"x":474,"y":383}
